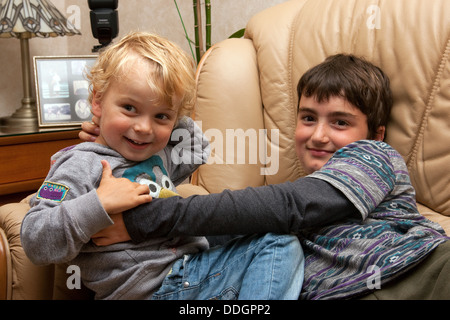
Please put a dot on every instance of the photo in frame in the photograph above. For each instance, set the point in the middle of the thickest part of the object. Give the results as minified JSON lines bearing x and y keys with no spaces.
{"x":62,"y":90}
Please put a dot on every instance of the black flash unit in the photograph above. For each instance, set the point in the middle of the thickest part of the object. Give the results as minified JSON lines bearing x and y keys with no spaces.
{"x":104,"y":21}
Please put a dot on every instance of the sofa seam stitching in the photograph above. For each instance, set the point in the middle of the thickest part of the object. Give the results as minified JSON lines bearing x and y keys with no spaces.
{"x":428,"y":107}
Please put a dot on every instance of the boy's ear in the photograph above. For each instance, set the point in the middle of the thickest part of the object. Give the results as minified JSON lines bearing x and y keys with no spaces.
{"x":379,"y":135}
{"x":96,"y":105}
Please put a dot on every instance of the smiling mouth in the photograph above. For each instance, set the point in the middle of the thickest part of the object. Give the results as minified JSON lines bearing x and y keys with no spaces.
{"x":319,"y":152}
{"x":137,"y":143}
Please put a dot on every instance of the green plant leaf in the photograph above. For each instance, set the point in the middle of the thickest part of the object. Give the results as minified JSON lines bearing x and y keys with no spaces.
{"x":238,"y":34}
{"x":184,"y":28}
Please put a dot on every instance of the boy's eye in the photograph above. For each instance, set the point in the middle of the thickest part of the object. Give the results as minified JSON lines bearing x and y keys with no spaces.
{"x":162,"y":116}
{"x":341,"y":123}
{"x":307,"y":118}
{"x":129,"y":108}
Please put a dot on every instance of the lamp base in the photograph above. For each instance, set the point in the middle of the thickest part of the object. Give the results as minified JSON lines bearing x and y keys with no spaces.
{"x":18,"y":125}
{"x":23,"y":120}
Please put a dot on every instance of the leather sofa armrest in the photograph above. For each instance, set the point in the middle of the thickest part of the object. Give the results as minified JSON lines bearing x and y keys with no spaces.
{"x":186,"y":190}
{"x":5,"y":268}
{"x":444,"y":221}
{"x":25,"y":281}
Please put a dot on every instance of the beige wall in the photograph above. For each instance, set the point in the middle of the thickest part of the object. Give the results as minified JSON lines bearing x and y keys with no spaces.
{"x":159,"y":16}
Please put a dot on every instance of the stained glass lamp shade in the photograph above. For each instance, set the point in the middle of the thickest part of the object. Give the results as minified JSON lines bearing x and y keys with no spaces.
{"x":25,"y":19}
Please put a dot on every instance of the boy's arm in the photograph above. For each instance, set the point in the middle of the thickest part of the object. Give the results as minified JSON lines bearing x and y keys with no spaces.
{"x":252,"y":210}
{"x":59,"y":224}
{"x":188,"y":148}
{"x":309,"y":202}
{"x":61,"y":221}
{"x":283,"y":208}
{"x":56,"y":235}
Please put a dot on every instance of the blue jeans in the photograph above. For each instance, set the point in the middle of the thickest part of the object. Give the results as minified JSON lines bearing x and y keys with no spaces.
{"x":268,"y":267}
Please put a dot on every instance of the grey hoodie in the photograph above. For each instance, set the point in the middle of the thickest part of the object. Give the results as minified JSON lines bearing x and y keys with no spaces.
{"x":66,"y":212}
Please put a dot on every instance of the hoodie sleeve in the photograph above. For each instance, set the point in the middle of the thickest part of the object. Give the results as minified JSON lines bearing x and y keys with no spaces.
{"x":65,"y":213}
{"x":188,"y":148}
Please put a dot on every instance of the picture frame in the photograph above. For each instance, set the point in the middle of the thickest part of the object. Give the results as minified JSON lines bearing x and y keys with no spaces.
{"x":62,"y":90}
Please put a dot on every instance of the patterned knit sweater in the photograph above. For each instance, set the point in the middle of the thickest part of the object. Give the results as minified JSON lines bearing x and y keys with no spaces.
{"x":356,"y":218}
{"x":358,"y":256}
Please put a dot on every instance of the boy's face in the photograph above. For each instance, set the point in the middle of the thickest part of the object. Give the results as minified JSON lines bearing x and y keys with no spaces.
{"x":323,"y":128}
{"x":131,"y":122}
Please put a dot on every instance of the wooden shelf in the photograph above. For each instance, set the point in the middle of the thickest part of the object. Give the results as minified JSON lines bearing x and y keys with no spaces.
{"x":25,"y":160}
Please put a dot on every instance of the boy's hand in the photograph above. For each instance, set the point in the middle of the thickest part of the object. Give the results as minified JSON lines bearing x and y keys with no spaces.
{"x":113,"y":234}
{"x":90,"y":130}
{"x":119,"y":194}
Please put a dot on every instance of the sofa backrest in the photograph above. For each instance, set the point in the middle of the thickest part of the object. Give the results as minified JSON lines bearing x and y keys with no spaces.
{"x":256,"y":84}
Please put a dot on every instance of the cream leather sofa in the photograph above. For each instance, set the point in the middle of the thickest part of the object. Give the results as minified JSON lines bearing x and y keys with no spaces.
{"x":247,"y":94}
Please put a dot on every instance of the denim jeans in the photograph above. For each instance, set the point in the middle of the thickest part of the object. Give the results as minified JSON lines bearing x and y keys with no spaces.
{"x":267,"y":267}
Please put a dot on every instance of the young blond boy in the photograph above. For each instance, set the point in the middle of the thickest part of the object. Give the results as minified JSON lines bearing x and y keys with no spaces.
{"x":141,"y":88}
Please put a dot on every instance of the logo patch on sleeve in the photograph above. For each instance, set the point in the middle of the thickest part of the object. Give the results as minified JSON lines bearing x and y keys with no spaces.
{"x":52,"y":191}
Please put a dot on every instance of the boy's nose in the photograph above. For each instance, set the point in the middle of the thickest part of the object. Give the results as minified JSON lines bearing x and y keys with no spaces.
{"x":320,"y":134}
{"x":143,"y":126}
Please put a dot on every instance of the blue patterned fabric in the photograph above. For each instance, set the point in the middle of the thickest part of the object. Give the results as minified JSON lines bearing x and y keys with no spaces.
{"x":355,"y":257}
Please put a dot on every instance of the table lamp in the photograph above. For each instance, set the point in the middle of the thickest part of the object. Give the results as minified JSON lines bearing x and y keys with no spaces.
{"x":25,"y":19}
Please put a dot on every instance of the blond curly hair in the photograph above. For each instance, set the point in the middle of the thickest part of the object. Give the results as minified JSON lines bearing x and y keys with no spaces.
{"x":173,"y":81}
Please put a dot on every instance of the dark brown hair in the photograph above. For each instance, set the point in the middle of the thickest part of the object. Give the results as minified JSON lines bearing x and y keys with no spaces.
{"x":358,"y":81}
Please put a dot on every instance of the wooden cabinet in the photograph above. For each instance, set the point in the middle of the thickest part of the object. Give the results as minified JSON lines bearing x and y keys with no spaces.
{"x":25,"y":160}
